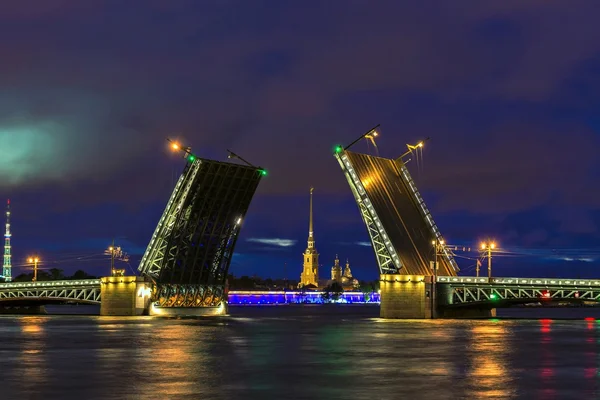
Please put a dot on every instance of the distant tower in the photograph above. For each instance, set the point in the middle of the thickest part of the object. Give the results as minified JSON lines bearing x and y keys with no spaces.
{"x":347,"y":271}
{"x":6,"y":264}
{"x":310,"y":272}
{"x":336,"y":270}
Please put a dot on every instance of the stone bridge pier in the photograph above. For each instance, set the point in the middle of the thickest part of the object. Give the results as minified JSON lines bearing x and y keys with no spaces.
{"x":125,"y":295}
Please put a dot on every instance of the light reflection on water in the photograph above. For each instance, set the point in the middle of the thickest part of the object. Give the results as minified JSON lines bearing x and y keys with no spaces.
{"x":333,"y":353}
{"x":490,"y":353}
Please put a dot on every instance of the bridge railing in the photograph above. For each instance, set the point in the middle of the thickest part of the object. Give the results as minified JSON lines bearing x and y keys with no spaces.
{"x":518,"y":281}
{"x":50,"y":284}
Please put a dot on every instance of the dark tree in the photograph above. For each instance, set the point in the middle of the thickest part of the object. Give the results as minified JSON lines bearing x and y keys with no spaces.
{"x":79,"y":274}
{"x":56,"y":274}
{"x":332,"y":292}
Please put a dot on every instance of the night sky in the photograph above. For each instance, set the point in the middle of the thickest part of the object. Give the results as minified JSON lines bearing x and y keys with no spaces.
{"x":508,"y":91}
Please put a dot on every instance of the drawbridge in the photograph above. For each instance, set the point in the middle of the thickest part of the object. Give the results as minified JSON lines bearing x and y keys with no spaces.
{"x":190,"y":252}
{"x":399,"y":223}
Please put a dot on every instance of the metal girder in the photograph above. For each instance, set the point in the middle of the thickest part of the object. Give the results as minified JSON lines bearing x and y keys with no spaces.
{"x":384,"y":259}
{"x":84,"y":291}
{"x":463,"y":294}
{"x":386,"y":256}
{"x":175,"y":295}
{"x":519,"y":290}
{"x":150,"y":264}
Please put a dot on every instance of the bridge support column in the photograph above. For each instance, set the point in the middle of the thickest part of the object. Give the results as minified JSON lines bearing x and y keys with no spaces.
{"x":405,"y":296}
{"x":124,"y":296}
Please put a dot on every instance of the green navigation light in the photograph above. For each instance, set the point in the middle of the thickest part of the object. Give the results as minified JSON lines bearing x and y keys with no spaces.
{"x":191,"y":158}
{"x":263,"y":172}
{"x":338,"y":149}
{"x":493,"y":296}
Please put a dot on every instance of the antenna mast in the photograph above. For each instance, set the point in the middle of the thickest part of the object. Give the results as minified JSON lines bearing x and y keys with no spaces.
{"x":7,"y":264}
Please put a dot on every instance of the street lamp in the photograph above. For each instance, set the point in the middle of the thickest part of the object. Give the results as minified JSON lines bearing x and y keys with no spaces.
{"x":187,"y":151}
{"x":437,"y":247}
{"x":34,"y":261}
{"x":487,"y":248}
{"x":111,"y":249}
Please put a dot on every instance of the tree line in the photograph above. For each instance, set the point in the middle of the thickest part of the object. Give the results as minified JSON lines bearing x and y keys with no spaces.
{"x":52,"y":274}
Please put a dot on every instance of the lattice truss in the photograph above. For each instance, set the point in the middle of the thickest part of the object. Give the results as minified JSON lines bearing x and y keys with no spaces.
{"x":84,"y":291}
{"x":386,"y":256}
{"x":174,"y":295}
{"x":191,"y":249}
{"x":486,"y":293}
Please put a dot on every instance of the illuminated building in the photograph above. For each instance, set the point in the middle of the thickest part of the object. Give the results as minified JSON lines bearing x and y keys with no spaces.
{"x":282,"y":297}
{"x":346,"y":279}
{"x":6,"y":263}
{"x":310,"y":271}
{"x":336,"y":270}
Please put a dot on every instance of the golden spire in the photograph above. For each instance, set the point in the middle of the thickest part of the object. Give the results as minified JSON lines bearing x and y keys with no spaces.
{"x":310,"y":223}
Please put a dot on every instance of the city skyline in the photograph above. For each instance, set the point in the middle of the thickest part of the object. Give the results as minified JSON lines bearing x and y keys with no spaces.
{"x":513,"y":137}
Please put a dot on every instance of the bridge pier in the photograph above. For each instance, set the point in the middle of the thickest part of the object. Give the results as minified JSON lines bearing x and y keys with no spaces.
{"x":405,"y":296}
{"x":206,"y":311}
{"x":124,"y":296}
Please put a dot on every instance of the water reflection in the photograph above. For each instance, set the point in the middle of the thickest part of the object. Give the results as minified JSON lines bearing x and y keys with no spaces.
{"x":325,"y":357}
{"x":180,"y":362}
{"x":490,"y":349}
{"x":547,"y":362}
{"x":32,"y":369}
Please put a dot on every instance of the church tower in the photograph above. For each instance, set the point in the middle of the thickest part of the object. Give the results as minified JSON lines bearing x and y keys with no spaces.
{"x":347,"y":271}
{"x":336,"y":270}
{"x":310,"y":272}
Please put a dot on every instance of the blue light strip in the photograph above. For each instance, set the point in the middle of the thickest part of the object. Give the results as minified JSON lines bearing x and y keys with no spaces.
{"x":280,"y":297}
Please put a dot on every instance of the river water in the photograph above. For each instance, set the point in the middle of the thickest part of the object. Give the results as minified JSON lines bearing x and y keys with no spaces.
{"x":298,"y":352}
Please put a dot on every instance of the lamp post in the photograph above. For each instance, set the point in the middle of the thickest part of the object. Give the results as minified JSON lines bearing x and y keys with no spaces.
{"x":116,"y":253}
{"x":112,"y":259}
{"x":437,"y":245}
{"x":487,"y":247}
{"x":34,"y":261}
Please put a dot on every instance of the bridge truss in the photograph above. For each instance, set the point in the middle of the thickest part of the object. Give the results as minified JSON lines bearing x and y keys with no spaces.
{"x":470,"y":290}
{"x":189,"y":254}
{"x":80,"y":291}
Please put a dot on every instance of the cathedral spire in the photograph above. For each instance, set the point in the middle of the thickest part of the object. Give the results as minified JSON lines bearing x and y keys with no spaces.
{"x":310,"y":217}
{"x":310,"y":272}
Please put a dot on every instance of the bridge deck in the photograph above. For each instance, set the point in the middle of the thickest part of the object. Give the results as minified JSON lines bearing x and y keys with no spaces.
{"x":549,"y":282}
{"x":385,"y":189}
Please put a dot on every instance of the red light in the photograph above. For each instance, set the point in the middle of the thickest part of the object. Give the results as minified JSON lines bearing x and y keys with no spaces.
{"x":589,"y":319}
{"x":545,"y":325}
{"x":546,"y":294}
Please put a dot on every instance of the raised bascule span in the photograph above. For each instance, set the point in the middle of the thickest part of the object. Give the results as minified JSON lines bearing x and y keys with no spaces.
{"x":190,"y":252}
{"x":399,"y":223}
